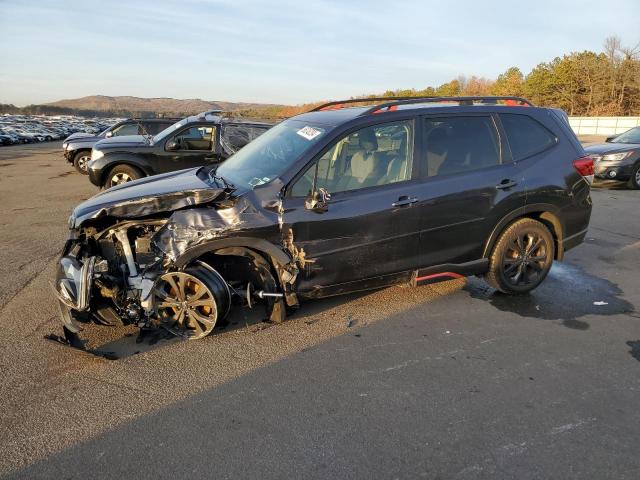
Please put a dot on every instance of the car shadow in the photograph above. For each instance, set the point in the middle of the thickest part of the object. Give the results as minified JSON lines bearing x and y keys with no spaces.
{"x":568,"y":294}
{"x":114,"y":343}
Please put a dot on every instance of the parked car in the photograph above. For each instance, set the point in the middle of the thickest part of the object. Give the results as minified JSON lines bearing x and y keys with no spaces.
{"x":400,"y":191}
{"x":77,"y":147}
{"x":202,"y":139}
{"x":618,"y":158}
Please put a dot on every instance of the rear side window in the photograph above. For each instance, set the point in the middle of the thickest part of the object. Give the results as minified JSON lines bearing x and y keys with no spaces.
{"x":525,"y":135}
{"x":155,"y":127}
{"x":234,"y":137}
{"x":460,"y":144}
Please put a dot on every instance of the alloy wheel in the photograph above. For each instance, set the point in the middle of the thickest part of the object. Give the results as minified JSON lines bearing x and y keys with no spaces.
{"x":83,"y":161}
{"x":525,"y":259}
{"x":120,"y":178}
{"x":185,"y":306}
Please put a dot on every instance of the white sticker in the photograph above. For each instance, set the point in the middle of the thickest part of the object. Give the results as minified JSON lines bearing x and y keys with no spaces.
{"x":309,"y":132}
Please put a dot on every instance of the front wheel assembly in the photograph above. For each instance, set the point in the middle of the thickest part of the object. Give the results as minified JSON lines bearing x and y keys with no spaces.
{"x":189,"y":303}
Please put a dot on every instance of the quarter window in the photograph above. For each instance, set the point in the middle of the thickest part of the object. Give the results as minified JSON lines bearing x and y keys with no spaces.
{"x":525,"y":135}
{"x":460,"y":144}
{"x":373,"y":156}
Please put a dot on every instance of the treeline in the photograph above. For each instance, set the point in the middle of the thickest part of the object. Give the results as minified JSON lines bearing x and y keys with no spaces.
{"x":585,"y":83}
{"x":605,"y":83}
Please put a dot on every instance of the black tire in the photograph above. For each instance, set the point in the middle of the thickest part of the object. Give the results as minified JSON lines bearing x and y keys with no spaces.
{"x":121,"y":174}
{"x":81,"y":160}
{"x":521,"y":258}
{"x":634,"y":181}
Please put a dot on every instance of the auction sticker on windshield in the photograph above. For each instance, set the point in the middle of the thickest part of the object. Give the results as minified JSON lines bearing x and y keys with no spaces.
{"x":309,"y":132}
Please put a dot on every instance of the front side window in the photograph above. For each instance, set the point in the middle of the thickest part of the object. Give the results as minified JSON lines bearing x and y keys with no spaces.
{"x":526,"y":136}
{"x":373,"y":156}
{"x":460,"y":144}
{"x":195,"y":138}
{"x":126,"y":129}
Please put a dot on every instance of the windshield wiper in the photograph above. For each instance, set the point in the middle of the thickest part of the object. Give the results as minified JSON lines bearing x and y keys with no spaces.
{"x":220,"y":180}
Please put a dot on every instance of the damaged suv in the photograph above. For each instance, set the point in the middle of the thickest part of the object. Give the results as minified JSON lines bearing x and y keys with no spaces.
{"x":339,"y":199}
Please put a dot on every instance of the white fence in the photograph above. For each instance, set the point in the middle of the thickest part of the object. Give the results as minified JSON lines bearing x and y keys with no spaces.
{"x":602,"y":125}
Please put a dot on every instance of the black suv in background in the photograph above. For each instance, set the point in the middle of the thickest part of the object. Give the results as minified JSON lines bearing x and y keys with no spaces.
{"x":333,"y":201}
{"x":77,"y":147}
{"x":203,"y":139}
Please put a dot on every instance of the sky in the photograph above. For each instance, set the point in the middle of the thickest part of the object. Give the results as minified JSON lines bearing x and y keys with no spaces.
{"x":284,"y":51}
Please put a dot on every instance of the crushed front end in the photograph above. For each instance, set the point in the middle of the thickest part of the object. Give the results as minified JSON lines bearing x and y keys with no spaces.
{"x":172,"y":252}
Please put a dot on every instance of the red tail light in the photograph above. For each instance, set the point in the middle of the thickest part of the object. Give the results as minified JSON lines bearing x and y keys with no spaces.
{"x":585,"y":167}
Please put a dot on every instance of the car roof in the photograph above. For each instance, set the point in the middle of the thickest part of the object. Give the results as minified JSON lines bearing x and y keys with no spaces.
{"x":339,"y":112}
{"x":220,"y":119}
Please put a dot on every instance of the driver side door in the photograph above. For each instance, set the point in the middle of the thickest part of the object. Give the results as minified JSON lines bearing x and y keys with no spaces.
{"x":368,"y":234}
{"x":192,"y":146}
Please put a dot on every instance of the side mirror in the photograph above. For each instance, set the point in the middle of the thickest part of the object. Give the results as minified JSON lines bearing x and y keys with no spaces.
{"x":172,"y":145}
{"x":610,"y":139}
{"x":318,"y":201}
{"x":109,"y":134}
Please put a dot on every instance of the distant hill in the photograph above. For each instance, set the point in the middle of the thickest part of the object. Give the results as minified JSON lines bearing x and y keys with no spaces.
{"x":145,"y":106}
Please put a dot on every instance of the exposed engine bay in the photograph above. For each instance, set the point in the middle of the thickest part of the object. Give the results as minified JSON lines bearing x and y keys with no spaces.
{"x":118,"y":276}
{"x":173,"y":260}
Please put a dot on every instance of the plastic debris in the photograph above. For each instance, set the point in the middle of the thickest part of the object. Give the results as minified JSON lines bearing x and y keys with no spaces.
{"x":350,"y":322}
{"x":600,"y":303}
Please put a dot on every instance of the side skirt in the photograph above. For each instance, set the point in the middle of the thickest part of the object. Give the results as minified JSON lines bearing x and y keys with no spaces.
{"x":448,"y":271}
{"x":424,"y":276}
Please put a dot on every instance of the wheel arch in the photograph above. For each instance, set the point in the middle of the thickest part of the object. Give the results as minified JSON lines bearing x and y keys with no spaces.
{"x":545,"y":213}
{"x":279,"y":261}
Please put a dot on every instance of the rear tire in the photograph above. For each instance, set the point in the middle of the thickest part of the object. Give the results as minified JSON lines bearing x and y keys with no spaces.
{"x":634,"y":181}
{"x":121,"y":174}
{"x":81,"y":160}
{"x":521,"y":258}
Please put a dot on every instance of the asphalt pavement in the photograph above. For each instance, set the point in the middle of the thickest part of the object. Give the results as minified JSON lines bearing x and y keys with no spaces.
{"x":446,"y":381}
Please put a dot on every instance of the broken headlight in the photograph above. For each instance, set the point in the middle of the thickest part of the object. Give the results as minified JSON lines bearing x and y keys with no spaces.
{"x":73,"y":282}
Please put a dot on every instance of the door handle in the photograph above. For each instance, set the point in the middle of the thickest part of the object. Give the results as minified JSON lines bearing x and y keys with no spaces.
{"x":506,"y":183}
{"x":404,"y":201}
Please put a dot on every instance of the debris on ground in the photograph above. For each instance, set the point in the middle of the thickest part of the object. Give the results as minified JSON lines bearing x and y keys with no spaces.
{"x":350,"y":322}
{"x":600,"y":303}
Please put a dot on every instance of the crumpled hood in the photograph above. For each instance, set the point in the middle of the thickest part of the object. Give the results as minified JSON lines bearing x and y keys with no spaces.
{"x":123,"y":141}
{"x":147,"y":196}
{"x":604,"y":148}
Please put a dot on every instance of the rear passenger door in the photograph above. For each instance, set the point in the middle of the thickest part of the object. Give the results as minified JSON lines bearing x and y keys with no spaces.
{"x":469,"y":183}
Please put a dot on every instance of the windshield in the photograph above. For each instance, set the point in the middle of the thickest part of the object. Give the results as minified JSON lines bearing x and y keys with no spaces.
{"x":271,"y":154}
{"x":630,"y":136}
{"x":169,"y":129}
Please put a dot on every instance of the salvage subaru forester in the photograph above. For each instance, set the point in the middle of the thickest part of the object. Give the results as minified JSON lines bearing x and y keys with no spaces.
{"x":346,"y":197}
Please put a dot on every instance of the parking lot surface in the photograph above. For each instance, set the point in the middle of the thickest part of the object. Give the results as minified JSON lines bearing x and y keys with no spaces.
{"x":445,"y":381}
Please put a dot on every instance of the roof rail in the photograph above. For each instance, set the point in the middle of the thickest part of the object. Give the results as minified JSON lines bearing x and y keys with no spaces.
{"x":390,"y":102}
{"x":337,"y":104}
